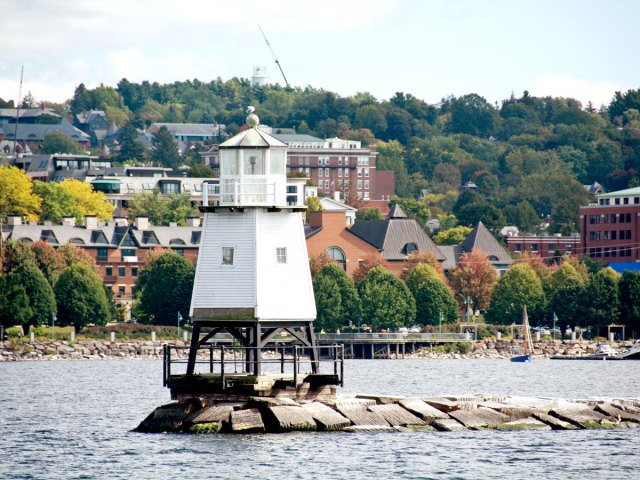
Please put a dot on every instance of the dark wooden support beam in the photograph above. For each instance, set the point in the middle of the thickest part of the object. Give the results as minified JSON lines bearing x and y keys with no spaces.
{"x":193,"y":351}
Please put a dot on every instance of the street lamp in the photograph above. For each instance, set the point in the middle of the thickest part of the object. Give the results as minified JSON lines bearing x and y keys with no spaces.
{"x":179,"y":320}
{"x":440,"y":318}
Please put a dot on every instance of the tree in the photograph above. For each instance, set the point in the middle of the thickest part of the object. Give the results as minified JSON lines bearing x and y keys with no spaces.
{"x":165,"y":149}
{"x":80,"y":297}
{"x":391,"y":157}
{"x":328,"y":303}
{"x":538,"y":265}
{"x":57,"y":201}
{"x":370,"y":260}
{"x":40,"y":295}
{"x":72,"y":255}
{"x":414,"y":208}
{"x":369,"y":214}
{"x":522,"y":216}
{"x":317,"y":262}
{"x":313,"y":205}
{"x":162,"y":209}
{"x":201,"y":171}
{"x":87,"y":200}
{"x":15,"y":254}
{"x":167,"y":289}
{"x":350,"y":307}
{"x":130,"y":147}
{"x":566,"y":301}
{"x":484,"y":212}
{"x":630,"y":301}
{"x":602,"y":299}
{"x":386,"y":300}
{"x":14,"y":304}
{"x":474,"y":279}
{"x":58,"y":142}
{"x":472,"y":114}
{"x":47,"y":259}
{"x":433,"y":297}
{"x":16,"y":194}
{"x":518,"y":287}
{"x":422,"y":257}
{"x":452,"y":236}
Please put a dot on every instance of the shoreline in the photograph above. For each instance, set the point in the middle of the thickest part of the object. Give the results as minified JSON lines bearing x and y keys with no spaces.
{"x":49,"y":350}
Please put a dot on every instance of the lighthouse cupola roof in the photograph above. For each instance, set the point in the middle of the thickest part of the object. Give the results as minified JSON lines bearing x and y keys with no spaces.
{"x":253,"y":137}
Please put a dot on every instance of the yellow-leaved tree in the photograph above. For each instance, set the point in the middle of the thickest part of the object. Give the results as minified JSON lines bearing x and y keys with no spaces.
{"x":87,"y":200}
{"x":16,"y":194}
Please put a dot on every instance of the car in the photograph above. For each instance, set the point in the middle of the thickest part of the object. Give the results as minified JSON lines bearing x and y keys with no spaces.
{"x":414,"y":329}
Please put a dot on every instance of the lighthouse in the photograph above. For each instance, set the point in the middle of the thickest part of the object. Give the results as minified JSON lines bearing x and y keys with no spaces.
{"x":252,"y":278}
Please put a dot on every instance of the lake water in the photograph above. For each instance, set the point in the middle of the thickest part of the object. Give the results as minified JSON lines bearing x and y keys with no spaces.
{"x":73,"y":420}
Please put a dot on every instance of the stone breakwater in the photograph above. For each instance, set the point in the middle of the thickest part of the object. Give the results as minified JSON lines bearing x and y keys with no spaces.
{"x":380,"y":413}
{"x":12,"y":351}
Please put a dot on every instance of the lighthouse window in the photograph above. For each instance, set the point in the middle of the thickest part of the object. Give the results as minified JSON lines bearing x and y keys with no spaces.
{"x":281,"y":255}
{"x":227,"y":255}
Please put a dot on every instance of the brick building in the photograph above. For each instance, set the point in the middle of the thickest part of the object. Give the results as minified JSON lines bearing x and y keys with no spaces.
{"x":609,"y":229}
{"x":547,"y":247}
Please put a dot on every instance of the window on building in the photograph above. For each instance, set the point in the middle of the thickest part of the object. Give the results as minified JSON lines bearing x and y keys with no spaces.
{"x":636,"y":200}
{"x":134,"y":271}
{"x":121,"y":289}
{"x":359,"y":184}
{"x":366,"y":172}
{"x":108,"y":271}
{"x":613,"y":218}
{"x":617,"y":202}
{"x":339,"y":160}
{"x":614,"y":252}
{"x":359,"y":172}
{"x":326,"y":172}
{"x":102,"y":255}
{"x":320,"y":172}
{"x":534,"y":247}
{"x":517,"y":247}
{"x":567,"y":247}
{"x":326,"y":184}
{"x":613,"y":235}
{"x":122,"y":271}
{"x":409,"y":248}
{"x":627,"y":217}
{"x":626,"y":200}
{"x":281,"y":255}
{"x":337,"y":254}
{"x":227,"y":255}
{"x":339,"y":172}
{"x":606,"y":235}
{"x":127,"y":252}
{"x":366,"y":184}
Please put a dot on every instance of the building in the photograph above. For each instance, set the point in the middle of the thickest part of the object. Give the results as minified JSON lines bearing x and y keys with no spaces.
{"x":481,"y":239}
{"x":327,"y":233}
{"x":33,"y":134}
{"x":118,"y":247}
{"x":548,"y":247}
{"x":609,"y":229}
{"x":335,"y":205}
{"x":396,"y":237}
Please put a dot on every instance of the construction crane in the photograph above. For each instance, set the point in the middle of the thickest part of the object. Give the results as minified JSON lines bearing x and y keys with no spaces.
{"x":274,"y":56}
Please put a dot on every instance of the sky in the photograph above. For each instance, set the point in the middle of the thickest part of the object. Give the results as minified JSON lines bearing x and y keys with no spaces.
{"x":584,"y":49}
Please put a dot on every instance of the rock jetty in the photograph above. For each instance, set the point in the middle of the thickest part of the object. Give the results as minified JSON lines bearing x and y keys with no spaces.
{"x":384,"y":413}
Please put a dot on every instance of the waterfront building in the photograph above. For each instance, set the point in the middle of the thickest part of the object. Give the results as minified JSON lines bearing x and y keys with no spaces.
{"x":547,"y":247}
{"x":610,"y":228}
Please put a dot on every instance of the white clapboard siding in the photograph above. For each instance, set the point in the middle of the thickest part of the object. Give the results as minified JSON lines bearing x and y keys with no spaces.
{"x":223,"y":286}
{"x":284,"y":292}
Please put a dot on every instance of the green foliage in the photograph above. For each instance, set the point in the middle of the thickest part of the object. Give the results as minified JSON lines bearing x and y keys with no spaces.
{"x":518,"y":287}
{"x":57,"y":201}
{"x":39,"y":293}
{"x":201,"y":171}
{"x":452,"y":236}
{"x":630,"y":301}
{"x":14,"y":304}
{"x":58,"y":142}
{"x":413,"y":208}
{"x":369,"y":214}
{"x":432,"y":296}
{"x":350,"y":308}
{"x":81,"y":297}
{"x":522,"y":216}
{"x":130,"y":147}
{"x":602,"y":300}
{"x":386,"y":300}
{"x":162,"y":209}
{"x":165,"y":149}
{"x":328,"y":303}
{"x":16,"y":194}
{"x":166,"y":289}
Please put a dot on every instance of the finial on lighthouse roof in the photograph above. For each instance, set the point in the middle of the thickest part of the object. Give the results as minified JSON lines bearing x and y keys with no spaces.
{"x":252,"y":118}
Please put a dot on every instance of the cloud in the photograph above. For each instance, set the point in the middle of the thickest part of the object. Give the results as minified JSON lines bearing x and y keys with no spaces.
{"x":599,"y":93}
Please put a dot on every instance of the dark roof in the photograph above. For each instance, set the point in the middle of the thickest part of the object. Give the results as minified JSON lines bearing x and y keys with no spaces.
{"x":37,"y":132}
{"x":481,"y":238}
{"x":393,"y":235}
{"x":310,"y":231}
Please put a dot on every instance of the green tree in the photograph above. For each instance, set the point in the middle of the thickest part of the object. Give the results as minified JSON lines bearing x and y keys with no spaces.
{"x":518,"y":287}
{"x":432,"y":296}
{"x":328,"y":303}
{"x":80,"y":297}
{"x":566,"y":301}
{"x":201,"y":171}
{"x":130,"y":146}
{"x":391,"y":157}
{"x":87,"y":201}
{"x":602,"y":299}
{"x":386,"y":300}
{"x":350,"y":307}
{"x":14,"y":304}
{"x":168,"y":283}
{"x":452,"y":236}
{"x":58,"y":142}
{"x":471,"y":214}
{"x":40,"y":295}
{"x":57,"y":201}
{"x":630,"y":301}
{"x":472,"y":114}
{"x":313,"y":205}
{"x":16,"y":194}
{"x":162,"y":209}
{"x":47,"y":259}
{"x":522,"y":216}
{"x":165,"y":149}
{"x":369,"y":214}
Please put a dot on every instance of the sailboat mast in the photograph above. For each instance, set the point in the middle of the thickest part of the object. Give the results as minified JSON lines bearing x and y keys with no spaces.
{"x":15,"y":132}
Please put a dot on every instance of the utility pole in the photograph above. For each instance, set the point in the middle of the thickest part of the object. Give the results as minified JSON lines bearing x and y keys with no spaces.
{"x":15,"y":131}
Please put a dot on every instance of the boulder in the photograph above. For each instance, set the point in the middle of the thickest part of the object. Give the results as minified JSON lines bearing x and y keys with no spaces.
{"x":395,"y":415}
{"x":325,"y":417}
{"x":246,"y":421}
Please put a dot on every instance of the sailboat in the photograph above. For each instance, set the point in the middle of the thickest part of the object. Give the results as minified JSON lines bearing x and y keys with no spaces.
{"x":528,"y":343}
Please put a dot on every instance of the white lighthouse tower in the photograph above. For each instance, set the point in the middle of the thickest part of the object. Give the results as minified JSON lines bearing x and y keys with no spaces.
{"x":252,"y":278}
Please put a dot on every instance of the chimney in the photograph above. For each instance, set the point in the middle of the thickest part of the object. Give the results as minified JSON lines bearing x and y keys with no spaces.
{"x":315,"y":219}
{"x":48,"y":223}
{"x":14,"y":220}
{"x":69,"y":221}
{"x":121,"y":221}
{"x":90,"y":222}
{"x":193,"y":222}
{"x":336,"y":196}
{"x":142,"y":223}
{"x":173,"y":224}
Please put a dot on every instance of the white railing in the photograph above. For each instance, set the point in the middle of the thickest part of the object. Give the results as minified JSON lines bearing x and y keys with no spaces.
{"x":244,"y":191}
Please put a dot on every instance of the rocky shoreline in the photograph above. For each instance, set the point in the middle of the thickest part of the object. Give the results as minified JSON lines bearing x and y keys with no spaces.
{"x":14,"y":351}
